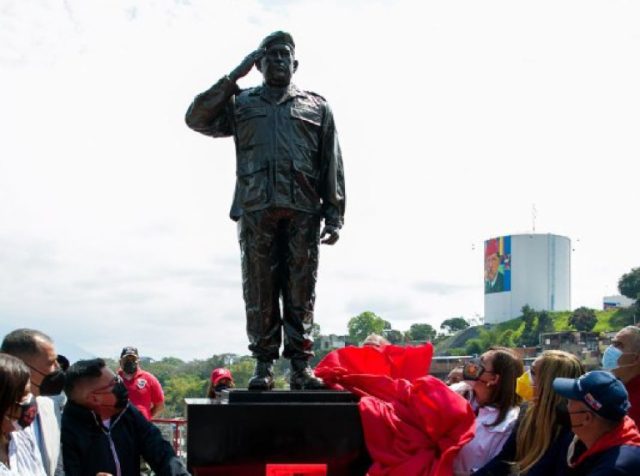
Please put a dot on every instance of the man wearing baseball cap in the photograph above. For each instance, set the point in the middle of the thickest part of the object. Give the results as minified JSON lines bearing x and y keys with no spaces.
{"x":145,"y":392}
{"x":607,"y":441}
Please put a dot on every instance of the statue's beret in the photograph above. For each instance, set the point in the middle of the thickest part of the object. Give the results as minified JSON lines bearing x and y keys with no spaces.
{"x":278,"y":37}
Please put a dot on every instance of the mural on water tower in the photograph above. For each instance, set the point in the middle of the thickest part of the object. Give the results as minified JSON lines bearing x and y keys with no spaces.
{"x":497,"y":265}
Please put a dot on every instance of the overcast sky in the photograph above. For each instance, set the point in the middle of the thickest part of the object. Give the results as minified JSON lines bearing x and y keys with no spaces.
{"x":454,"y":119}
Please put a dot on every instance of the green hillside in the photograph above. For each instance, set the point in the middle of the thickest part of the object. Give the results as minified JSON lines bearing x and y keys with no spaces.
{"x":513,"y":333}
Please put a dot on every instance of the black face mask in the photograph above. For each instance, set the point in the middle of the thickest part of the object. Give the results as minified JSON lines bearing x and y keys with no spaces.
{"x":122,"y":395}
{"x":220,"y":387}
{"x":52,"y":384}
{"x":130,"y":367}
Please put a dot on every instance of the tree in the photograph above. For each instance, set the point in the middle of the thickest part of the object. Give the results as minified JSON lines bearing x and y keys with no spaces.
{"x":545,"y":322}
{"x":474,"y":347}
{"x":529,"y":334}
{"x":394,"y":336}
{"x":629,"y":284}
{"x":421,"y":332}
{"x":454,"y":324}
{"x":364,"y":324}
{"x":179,"y":387}
{"x":583,"y":319}
{"x":507,"y":338}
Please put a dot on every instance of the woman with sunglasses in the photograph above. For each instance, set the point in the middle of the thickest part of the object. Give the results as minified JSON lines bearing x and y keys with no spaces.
{"x":538,"y":444}
{"x":18,"y":451}
{"x":492,"y":378}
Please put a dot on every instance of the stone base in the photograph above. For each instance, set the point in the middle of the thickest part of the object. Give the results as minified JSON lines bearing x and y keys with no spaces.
{"x":246,"y":430}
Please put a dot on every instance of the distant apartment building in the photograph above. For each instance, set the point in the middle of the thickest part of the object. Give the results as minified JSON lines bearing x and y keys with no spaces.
{"x":584,"y":345}
{"x":331,"y":342}
{"x":614,"y":302}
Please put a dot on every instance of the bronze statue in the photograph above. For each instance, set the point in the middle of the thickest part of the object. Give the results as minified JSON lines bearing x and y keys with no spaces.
{"x":289,"y":177}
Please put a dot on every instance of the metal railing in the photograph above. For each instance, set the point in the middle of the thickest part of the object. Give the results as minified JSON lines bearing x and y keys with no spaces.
{"x":174,"y":430}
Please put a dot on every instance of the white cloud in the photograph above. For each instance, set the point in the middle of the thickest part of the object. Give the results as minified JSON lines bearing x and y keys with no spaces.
{"x":454,"y":119}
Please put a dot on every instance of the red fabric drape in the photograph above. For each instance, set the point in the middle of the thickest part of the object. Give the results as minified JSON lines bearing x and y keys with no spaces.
{"x":413,"y":423}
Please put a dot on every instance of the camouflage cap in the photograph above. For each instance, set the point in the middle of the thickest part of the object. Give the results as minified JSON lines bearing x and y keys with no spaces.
{"x":278,"y":37}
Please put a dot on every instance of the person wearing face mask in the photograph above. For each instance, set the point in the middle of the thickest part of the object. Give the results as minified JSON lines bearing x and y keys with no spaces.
{"x":37,"y":350}
{"x":492,"y":378}
{"x":19,"y":453}
{"x":221,"y":379}
{"x":538,"y":443}
{"x":145,"y":392}
{"x":622,"y":358}
{"x":606,"y":439}
{"x":103,"y":433}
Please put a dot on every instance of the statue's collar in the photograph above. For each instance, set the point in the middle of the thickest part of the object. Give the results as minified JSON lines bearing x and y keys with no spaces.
{"x":290,"y":92}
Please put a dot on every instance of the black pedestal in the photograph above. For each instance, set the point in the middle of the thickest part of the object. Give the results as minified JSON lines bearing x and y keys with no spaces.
{"x":245,"y":431}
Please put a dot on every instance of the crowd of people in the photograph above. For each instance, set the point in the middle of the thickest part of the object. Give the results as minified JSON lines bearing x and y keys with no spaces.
{"x":549,"y":419}
{"x":80,"y":420}
{"x":553,"y":418}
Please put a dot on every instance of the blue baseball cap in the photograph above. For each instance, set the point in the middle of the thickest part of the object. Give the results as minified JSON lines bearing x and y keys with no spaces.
{"x":601,"y":391}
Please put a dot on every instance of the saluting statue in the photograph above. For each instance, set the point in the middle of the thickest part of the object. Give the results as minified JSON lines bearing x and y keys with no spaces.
{"x":289,"y":178}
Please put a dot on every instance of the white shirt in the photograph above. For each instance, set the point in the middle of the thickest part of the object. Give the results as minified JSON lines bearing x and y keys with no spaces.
{"x":24,"y":456}
{"x":487,"y":442}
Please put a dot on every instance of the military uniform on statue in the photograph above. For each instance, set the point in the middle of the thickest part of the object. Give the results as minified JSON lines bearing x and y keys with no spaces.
{"x":289,"y":178}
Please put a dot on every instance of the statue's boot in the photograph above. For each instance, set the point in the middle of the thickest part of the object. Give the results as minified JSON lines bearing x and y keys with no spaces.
{"x":262,"y":378}
{"x":302,"y":377}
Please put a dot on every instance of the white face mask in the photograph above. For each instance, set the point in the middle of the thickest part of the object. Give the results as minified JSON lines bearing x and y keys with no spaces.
{"x":611,"y":357}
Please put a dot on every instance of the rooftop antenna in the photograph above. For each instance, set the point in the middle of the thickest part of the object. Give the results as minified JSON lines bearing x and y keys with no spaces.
{"x":534,"y":215}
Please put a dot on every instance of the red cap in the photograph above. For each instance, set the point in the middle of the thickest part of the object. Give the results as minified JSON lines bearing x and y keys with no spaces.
{"x":491,"y":247}
{"x":219,"y":374}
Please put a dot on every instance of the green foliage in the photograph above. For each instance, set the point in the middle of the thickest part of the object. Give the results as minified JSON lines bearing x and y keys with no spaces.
{"x":622,"y":318}
{"x":607,"y":321}
{"x":474,"y":347}
{"x":179,"y":387}
{"x":457,"y":351}
{"x":421,"y":333}
{"x":583,"y":319}
{"x":364,"y":324}
{"x":507,"y":338}
{"x":529,"y":336}
{"x":545,"y":322}
{"x":629,"y":284}
{"x":394,"y":336}
{"x":454,"y":324}
{"x":242,"y":370}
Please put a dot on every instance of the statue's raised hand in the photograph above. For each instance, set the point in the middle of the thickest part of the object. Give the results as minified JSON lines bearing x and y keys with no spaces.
{"x":247,"y":63}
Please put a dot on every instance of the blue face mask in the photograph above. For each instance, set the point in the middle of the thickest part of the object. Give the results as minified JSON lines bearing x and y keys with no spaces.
{"x":610,"y":358}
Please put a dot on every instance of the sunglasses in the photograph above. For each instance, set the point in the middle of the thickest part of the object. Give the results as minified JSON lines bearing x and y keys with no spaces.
{"x":107,"y":388}
{"x":473,"y":369}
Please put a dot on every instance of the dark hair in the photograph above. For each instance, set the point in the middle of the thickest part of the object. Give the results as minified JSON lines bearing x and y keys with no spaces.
{"x":509,"y":366}
{"x":14,"y":376}
{"x":23,"y":342}
{"x":82,"y":370}
{"x":211,"y":391}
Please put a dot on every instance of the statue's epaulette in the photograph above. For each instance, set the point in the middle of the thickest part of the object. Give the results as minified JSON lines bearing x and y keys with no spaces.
{"x":316,"y":95}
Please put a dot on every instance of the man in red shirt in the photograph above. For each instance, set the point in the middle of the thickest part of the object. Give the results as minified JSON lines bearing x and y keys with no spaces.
{"x":145,"y":392}
{"x":622,"y":358}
